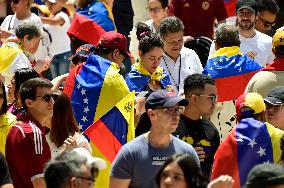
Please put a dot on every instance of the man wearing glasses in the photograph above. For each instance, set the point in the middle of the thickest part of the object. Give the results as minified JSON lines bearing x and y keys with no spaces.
{"x":274,"y":107}
{"x":76,"y":169}
{"x":268,"y":10}
{"x":138,"y":161}
{"x":27,"y":150}
{"x":194,"y":128}
{"x":178,"y":61}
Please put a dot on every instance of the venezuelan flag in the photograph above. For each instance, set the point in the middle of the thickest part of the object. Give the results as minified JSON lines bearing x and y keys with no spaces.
{"x":138,"y":78}
{"x":8,"y":52}
{"x":252,"y":142}
{"x":117,"y":126}
{"x":230,"y":6}
{"x":94,"y":88}
{"x":231,"y":71}
{"x":91,"y":21}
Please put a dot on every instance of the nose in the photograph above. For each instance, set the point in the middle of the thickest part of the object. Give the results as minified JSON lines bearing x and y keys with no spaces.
{"x":168,"y":180}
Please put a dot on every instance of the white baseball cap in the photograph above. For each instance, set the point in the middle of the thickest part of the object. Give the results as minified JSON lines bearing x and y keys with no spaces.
{"x":97,"y":162}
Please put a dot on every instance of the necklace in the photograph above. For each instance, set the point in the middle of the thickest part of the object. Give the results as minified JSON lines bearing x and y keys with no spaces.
{"x":175,"y":83}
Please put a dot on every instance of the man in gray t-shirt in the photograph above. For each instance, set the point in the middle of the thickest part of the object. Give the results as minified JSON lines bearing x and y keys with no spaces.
{"x":138,"y":162}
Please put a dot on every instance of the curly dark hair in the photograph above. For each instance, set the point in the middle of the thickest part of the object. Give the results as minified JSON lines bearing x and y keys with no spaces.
{"x":170,"y":24}
{"x":28,"y":28}
{"x":147,"y":39}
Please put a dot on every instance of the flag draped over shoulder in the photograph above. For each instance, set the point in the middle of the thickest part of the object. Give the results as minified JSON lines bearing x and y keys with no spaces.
{"x":116,"y":126}
{"x":94,"y":88}
{"x":8,"y":52}
{"x":231,"y":71}
{"x":252,"y":142}
{"x":138,"y":78}
{"x":92,"y":21}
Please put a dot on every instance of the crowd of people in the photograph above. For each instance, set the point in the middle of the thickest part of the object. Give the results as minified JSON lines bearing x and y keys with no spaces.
{"x":208,"y":80}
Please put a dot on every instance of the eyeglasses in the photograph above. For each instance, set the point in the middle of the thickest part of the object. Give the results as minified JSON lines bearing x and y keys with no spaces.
{"x":154,"y":10}
{"x":267,"y":23}
{"x":90,"y":179}
{"x":275,"y":108}
{"x":172,"y":110}
{"x":213,"y":98}
{"x":46,"y":97}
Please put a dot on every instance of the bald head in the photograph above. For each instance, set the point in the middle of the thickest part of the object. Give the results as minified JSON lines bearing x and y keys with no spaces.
{"x":227,"y":35}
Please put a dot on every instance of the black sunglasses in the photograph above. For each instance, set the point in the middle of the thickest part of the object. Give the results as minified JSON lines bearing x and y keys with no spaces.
{"x":47,"y":97}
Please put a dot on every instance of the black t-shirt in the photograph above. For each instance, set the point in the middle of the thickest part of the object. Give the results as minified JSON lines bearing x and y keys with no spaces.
{"x":200,"y":133}
{"x":4,"y":172}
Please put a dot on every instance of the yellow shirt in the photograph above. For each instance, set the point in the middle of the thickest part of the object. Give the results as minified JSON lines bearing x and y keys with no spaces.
{"x":6,"y":121}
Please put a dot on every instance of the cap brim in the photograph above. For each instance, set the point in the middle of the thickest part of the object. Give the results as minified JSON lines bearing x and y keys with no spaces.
{"x":97,"y":162}
{"x":52,"y":1}
{"x":176,"y":101}
{"x":273,"y":100}
{"x":246,"y":7}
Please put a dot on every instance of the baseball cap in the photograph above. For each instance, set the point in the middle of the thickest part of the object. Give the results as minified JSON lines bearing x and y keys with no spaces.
{"x":266,"y":174}
{"x":253,"y":102}
{"x":164,"y":98}
{"x":275,"y":96}
{"x":95,"y":161}
{"x":247,"y":4}
{"x":278,"y":38}
{"x":114,"y":40}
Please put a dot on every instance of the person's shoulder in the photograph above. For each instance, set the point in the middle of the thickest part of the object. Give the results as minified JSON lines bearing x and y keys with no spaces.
{"x":263,"y":37}
{"x":187,"y":51}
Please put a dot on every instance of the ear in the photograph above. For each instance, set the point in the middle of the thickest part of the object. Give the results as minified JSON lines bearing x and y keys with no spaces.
{"x":29,"y":102}
{"x":151,"y":114}
{"x":115,"y":54}
{"x":140,"y":53}
{"x":73,"y":182}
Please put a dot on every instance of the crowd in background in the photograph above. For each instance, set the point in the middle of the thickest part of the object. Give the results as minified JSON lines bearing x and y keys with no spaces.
{"x":141,"y":93}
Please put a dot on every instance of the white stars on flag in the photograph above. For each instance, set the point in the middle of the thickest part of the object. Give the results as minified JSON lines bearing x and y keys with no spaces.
{"x":252,"y":143}
{"x":261,"y":151}
{"x":86,"y":100}
{"x":84,"y":119}
{"x":83,"y":91}
{"x":86,"y":109}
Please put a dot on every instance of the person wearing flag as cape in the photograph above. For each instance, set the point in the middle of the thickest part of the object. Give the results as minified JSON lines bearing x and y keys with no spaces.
{"x":252,"y":141}
{"x":95,"y":86}
{"x":273,"y":74}
{"x":147,"y":75}
{"x":231,"y":71}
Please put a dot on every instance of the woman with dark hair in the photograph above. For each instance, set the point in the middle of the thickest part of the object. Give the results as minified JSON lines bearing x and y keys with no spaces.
{"x":64,"y":131}
{"x":158,"y":10}
{"x":181,"y":171}
{"x":6,"y":119}
{"x":147,"y":75}
{"x":19,"y":77}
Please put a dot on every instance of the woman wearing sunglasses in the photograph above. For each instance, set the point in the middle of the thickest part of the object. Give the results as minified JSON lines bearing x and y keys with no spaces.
{"x":64,"y":131}
{"x":6,"y":118}
{"x":21,"y":8}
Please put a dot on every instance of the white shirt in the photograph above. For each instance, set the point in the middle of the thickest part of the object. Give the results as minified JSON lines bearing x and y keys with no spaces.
{"x":60,"y":40}
{"x":261,"y":44}
{"x":11,"y":22}
{"x":81,"y":142}
{"x":188,"y":63}
{"x":150,"y":23}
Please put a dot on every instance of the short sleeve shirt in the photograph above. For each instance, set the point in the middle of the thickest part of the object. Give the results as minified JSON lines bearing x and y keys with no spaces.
{"x":140,"y":162}
{"x":27,"y":152}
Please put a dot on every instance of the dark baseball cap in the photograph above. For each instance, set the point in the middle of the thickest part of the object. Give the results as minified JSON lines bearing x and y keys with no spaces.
{"x":164,"y":98}
{"x":247,"y":4}
{"x":264,"y":175}
{"x":114,"y":40}
{"x":275,"y":96}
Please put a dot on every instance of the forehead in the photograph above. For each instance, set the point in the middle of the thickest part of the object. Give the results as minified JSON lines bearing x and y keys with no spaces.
{"x":210,"y":89}
{"x":154,"y":3}
{"x":43,"y":90}
{"x":173,"y":36}
{"x":245,"y":10}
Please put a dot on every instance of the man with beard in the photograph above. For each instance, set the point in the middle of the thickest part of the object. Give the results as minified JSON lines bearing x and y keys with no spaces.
{"x":257,"y":45}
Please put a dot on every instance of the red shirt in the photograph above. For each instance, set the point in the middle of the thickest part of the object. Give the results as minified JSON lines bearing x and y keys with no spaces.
{"x":27,"y":151}
{"x":198,"y":15}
